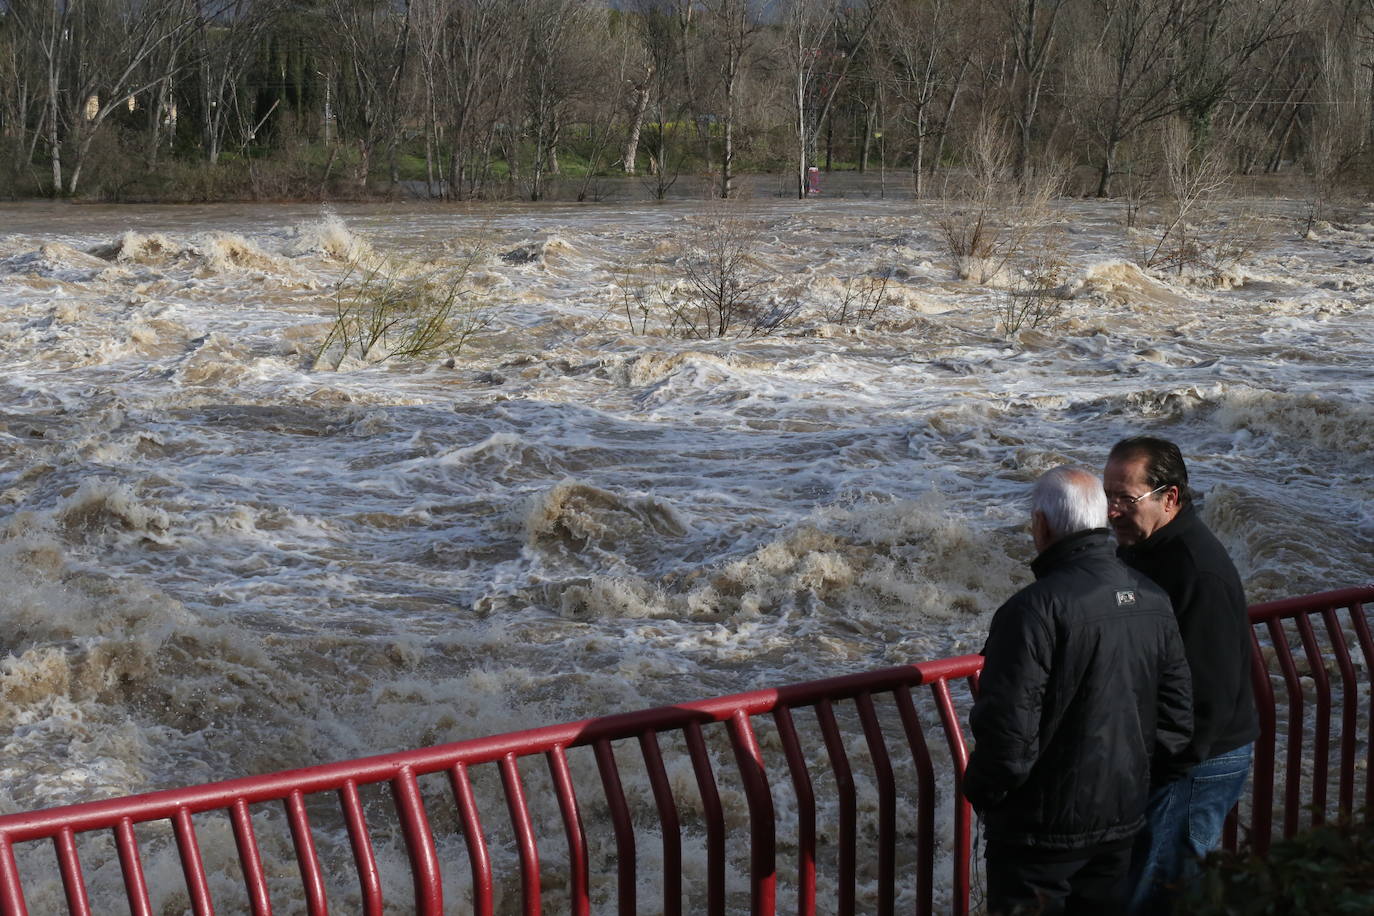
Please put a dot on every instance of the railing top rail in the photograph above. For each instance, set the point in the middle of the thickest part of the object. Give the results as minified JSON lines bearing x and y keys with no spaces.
{"x":1287,"y":607}
{"x":383,"y":767}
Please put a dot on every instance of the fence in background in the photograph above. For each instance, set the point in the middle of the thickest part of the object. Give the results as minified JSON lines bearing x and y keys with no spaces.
{"x":903,"y":725}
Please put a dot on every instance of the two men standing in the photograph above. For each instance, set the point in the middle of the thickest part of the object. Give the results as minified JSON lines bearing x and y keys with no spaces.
{"x":1114,"y":718}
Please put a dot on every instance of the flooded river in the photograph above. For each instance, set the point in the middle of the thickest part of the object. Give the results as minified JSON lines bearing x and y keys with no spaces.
{"x":218,"y":557}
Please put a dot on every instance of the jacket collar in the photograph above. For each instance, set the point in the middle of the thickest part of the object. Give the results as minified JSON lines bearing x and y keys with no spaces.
{"x":1073,"y":547}
{"x":1181,"y":524}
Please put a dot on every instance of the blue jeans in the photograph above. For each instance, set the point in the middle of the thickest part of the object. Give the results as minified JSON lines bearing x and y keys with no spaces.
{"x":1183,"y":823}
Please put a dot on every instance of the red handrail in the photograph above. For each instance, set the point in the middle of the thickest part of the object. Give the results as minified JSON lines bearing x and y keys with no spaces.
{"x":688,"y":723}
{"x":1274,"y":661}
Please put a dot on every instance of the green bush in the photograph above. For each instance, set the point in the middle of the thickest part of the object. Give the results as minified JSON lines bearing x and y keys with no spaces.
{"x":1327,"y":870}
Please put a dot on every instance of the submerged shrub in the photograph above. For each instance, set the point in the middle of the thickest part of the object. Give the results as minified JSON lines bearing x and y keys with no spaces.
{"x":993,"y":216}
{"x":863,"y":298}
{"x":717,"y":288}
{"x":1035,"y":296}
{"x":723,"y":293}
{"x":382,"y":312}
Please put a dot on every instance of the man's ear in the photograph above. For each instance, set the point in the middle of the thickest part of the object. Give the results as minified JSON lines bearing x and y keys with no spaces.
{"x":1040,"y":530}
{"x":1173,"y":498}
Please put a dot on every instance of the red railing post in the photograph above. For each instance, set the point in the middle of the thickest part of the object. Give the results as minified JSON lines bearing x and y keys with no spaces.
{"x":369,"y":878}
{"x":191,"y":865}
{"x":424,"y":861}
{"x":579,"y":881}
{"x":671,"y":827}
{"x":78,"y":904}
{"x":524,"y":835}
{"x":714,"y":815}
{"x":847,"y":878}
{"x":963,"y":811}
{"x":1262,"y":794}
{"x":11,"y":890}
{"x":763,"y":872}
{"x":806,"y":811}
{"x":135,"y":884}
{"x":483,"y":902}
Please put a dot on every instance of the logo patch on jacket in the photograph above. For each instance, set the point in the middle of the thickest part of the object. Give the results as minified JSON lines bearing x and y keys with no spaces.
{"x":1125,"y":598}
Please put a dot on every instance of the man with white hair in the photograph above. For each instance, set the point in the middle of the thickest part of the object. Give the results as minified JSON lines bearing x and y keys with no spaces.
{"x":1084,"y":689}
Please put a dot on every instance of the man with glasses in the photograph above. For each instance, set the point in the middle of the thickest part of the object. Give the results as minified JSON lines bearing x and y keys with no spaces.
{"x":1084,"y":691}
{"x":1161,"y":534}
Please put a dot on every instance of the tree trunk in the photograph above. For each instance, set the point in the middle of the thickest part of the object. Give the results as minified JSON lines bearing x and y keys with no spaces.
{"x":801,"y":135}
{"x":727,"y":154}
{"x":1104,"y":180}
{"x":918,"y":164}
{"x":641,"y":106}
{"x":54,"y":142}
{"x":870,"y":115}
{"x":829,"y":144}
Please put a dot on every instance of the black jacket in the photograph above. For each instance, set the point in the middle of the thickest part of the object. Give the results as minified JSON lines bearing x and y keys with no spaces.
{"x":1189,"y":563}
{"x":1084,"y":685}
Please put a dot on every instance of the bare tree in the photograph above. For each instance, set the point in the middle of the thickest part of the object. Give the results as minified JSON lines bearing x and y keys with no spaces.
{"x":20,"y":92}
{"x":1336,"y":136}
{"x":470,"y":52}
{"x":1125,"y":80}
{"x":372,"y":42}
{"x":638,"y":109}
{"x":226,"y":40}
{"x":95,"y":59}
{"x":989,"y":217}
{"x":735,"y":29}
{"x":1214,"y":45}
{"x":1194,"y":172}
{"x":1033,"y":28}
{"x":555,"y":73}
{"x":924,"y":45}
{"x":663,"y":29}
{"x":821,"y":52}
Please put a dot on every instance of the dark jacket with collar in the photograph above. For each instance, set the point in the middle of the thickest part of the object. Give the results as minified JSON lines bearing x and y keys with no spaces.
{"x":1084,"y":685}
{"x":1186,"y":560}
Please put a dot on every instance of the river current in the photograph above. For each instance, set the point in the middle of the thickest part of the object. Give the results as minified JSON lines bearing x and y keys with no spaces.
{"x":219,"y":557}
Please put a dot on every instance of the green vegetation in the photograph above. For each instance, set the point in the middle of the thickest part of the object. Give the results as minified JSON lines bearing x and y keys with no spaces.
{"x":1326,"y":870}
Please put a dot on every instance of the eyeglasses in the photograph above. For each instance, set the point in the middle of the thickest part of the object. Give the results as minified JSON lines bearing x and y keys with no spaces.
{"x":1126,"y":502}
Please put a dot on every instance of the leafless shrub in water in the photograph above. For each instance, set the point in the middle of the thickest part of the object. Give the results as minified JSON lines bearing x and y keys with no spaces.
{"x":640,"y":295}
{"x":723,"y":292}
{"x":863,"y":298}
{"x":1197,"y":232}
{"x":381,"y":312}
{"x":1035,"y":297}
{"x":991,"y":216}
{"x":1194,"y":174}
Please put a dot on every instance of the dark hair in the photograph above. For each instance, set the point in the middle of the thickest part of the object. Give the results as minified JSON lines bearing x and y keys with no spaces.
{"x":1163,"y":463}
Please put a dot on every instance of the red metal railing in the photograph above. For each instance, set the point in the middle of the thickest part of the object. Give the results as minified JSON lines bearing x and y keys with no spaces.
{"x":689,"y":721}
{"x":1307,"y":676}
{"x":912,"y":783}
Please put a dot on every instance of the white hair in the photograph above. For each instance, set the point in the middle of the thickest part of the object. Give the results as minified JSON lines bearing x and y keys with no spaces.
{"x":1071,"y":499}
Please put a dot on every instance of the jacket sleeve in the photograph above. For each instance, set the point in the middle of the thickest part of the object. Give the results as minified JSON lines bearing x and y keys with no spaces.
{"x":1218,"y":655}
{"x":1006,"y":716}
{"x":1173,"y":710}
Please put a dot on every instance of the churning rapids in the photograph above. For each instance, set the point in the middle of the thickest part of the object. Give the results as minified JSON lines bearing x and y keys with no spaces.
{"x":218,"y":560}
